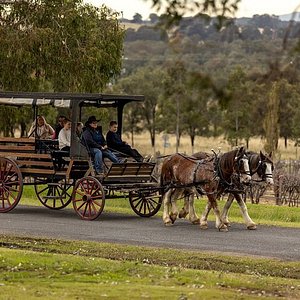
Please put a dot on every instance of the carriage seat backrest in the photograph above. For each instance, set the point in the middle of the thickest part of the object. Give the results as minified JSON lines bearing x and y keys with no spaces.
{"x":10,"y":145}
{"x":29,"y":159}
{"x":130,"y":172}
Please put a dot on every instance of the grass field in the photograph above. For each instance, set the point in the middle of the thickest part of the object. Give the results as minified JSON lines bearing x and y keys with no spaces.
{"x":142,"y":142}
{"x":36,"y":268}
{"x":54,"y":269}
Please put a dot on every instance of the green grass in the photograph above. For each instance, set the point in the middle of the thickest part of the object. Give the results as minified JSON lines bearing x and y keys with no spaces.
{"x":260,"y":213}
{"x":53,"y":269}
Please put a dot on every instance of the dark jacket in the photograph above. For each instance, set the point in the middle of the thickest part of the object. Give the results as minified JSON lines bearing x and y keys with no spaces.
{"x":88,"y":138}
{"x":113,"y":140}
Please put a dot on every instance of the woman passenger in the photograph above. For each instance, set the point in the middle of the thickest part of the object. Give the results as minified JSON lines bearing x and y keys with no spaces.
{"x":40,"y":129}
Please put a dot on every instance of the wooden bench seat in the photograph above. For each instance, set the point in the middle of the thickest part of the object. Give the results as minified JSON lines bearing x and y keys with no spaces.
{"x":24,"y":140}
{"x":26,"y":153}
{"x":11,"y":145}
{"x":129,"y":172}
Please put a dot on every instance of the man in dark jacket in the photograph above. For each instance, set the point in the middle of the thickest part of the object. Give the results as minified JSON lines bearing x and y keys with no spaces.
{"x":93,"y":139}
{"x":115,"y":142}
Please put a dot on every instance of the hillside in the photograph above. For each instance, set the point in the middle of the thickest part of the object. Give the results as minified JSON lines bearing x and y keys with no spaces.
{"x":293,"y":16}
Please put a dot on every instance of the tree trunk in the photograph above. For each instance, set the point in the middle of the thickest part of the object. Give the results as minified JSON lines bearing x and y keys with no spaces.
{"x":23,"y":129}
{"x":193,"y":142}
{"x":247,"y":143}
{"x":132,"y":139}
{"x":271,"y":122}
{"x":177,"y":124}
{"x":236,"y":130}
{"x":152,"y":137}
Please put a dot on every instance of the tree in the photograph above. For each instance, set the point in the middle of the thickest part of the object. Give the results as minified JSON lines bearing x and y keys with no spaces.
{"x":197,"y":107}
{"x":289,"y":99}
{"x":58,"y":45}
{"x":174,"y":95}
{"x":137,"y":18}
{"x":271,"y":122}
{"x":153,"y":18}
{"x":237,"y":119}
{"x":145,"y":81}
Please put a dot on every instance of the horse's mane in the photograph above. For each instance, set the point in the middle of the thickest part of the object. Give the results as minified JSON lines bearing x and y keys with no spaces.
{"x":227,"y":159}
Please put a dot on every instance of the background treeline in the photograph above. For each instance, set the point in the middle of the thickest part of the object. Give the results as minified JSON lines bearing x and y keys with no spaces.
{"x":239,"y":80}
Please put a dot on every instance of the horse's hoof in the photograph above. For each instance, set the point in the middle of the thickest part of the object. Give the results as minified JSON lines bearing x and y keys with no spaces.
{"x":223,"y":228}
{"x":173,"y":218}
{"x":168,"y":224}
{"x":203,"y":226}
{"x":227,"y":223}
{"x":196,"y":222}
{"x":252,"y":227}
{"x":182,"y":214}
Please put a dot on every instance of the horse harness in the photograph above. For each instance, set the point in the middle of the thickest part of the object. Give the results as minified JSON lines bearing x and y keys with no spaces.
{"x":194,"y":183}
{"x":229,"y":187}
{"x":261,"y":167}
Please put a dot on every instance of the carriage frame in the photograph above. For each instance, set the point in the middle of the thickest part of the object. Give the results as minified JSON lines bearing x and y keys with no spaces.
{"x":59,"y":177}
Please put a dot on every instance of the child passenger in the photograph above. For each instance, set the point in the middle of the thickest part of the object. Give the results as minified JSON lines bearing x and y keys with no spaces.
{"x":64,"y":136}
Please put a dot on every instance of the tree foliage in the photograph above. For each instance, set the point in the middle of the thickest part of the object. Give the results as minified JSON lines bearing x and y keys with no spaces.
{"x":145,"y":81}
{"x":58,"y":45}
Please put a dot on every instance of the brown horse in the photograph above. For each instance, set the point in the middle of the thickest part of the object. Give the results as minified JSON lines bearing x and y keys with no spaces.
{"x":187,"y":176}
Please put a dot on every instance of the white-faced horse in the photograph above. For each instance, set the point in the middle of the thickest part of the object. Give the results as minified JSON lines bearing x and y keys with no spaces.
{"x":261,"y":169}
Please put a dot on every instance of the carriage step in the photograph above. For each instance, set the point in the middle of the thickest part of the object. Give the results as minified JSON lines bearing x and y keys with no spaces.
{"x":55,"y":197}
{"x":54,"y":184}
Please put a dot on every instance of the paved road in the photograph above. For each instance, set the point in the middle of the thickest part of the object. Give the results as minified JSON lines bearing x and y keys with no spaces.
{"x":268,"y":241}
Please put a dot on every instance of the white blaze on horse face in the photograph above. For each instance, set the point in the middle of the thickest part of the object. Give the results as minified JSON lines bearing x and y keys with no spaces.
{"x":245,"y":177}
{"x":269,"y":173}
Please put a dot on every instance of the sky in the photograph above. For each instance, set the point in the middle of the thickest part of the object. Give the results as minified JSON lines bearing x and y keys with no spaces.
{"x":247,"y":8}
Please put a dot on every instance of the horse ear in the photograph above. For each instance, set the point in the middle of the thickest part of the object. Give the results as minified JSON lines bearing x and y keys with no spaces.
{"x":262,"y":156}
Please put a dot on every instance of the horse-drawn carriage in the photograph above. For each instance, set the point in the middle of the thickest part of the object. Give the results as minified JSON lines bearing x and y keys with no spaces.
{"x":59,"y":177}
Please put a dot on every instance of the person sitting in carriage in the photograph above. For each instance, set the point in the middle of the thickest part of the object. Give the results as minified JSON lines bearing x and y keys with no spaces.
{"x":64,"y":136}
{"x":94,"y":140}
{"x":40,"y":129}
{"x":115,"y":142}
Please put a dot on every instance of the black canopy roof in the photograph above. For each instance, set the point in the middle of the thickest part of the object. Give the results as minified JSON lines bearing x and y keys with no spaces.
{"x":66,"y":99}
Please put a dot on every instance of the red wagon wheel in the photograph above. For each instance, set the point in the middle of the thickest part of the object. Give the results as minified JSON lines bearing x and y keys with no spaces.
{"x":54,"y":194}
{"x":145,"y":203}
{"x":88,"y":198}
{"x":11,"y":184}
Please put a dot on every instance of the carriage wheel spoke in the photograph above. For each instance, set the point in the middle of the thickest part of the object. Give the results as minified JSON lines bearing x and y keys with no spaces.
{"x":145,"y":204}
{"x":6,"y":172}
{"x":52,"y":195}
{"x":139,"y":202}
{"x":11,"y":184}
{"x":91,"y":194}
